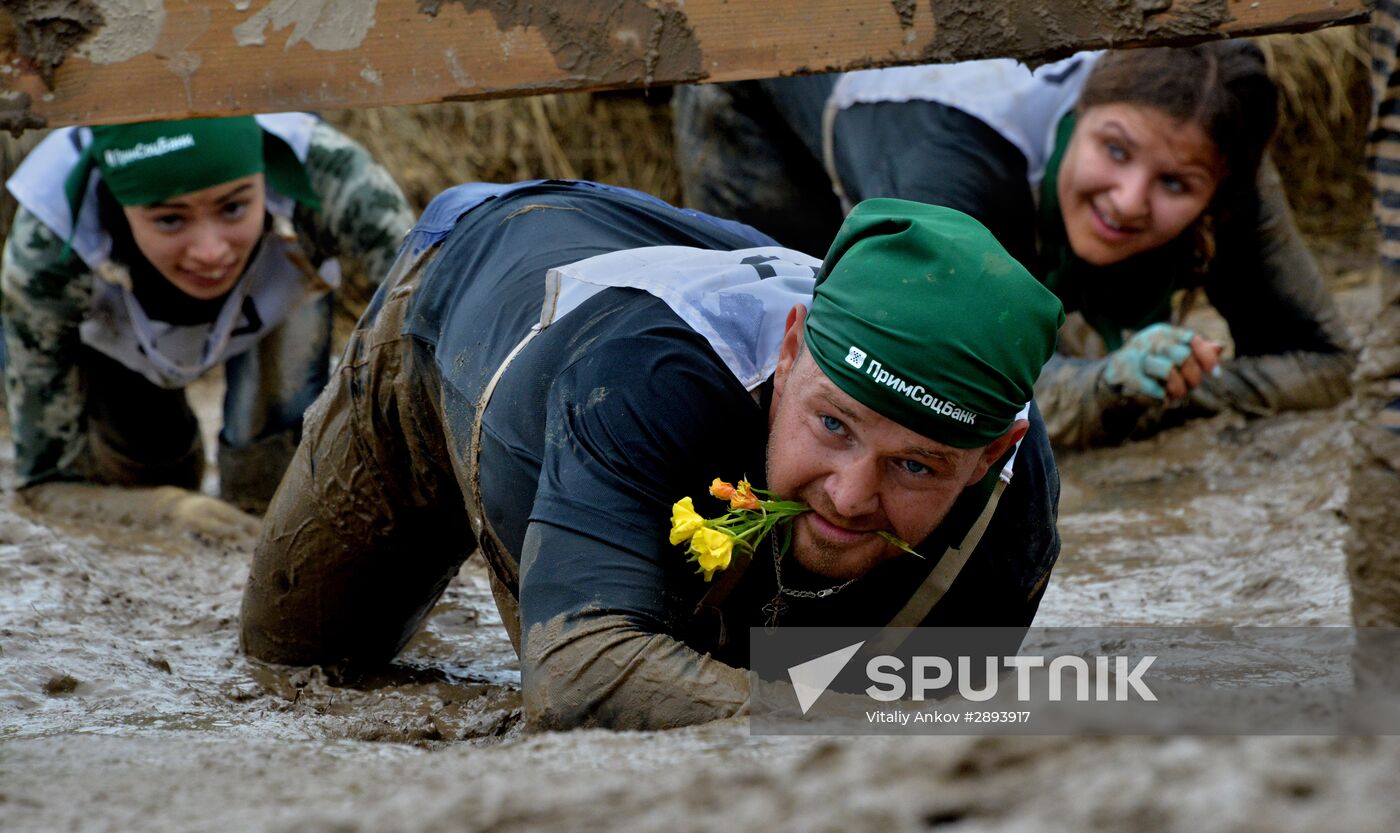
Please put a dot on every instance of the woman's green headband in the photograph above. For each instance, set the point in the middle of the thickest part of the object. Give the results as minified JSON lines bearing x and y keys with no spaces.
{"x":150,"y":162}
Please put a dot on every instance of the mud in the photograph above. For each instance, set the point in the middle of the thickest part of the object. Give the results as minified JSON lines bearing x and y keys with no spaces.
{"x":905,"y":9}
{"x":129,"y":28}
{"x":1045,"y":30}
{"x":50,"y":29}
{"x":613,"y":42}
{"x":15,"y":115}
{"x":322,"y":24}
{"x":125,"y":705}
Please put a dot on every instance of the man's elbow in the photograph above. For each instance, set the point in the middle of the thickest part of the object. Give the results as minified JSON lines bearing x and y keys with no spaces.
{"x":604,"y":672}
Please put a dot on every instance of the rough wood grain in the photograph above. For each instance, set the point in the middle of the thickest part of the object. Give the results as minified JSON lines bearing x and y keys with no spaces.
{"x":96,"y":61}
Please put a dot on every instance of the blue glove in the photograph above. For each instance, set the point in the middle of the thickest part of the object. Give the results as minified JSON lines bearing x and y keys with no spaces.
{"x":1144,"y":362}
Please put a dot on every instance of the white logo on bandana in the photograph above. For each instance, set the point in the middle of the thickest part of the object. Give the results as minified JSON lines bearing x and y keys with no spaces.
{"x":116,"y":158}
{"x":855,"y":358}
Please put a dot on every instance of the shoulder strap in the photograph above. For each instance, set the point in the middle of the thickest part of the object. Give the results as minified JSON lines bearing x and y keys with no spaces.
{"x":943,"y":575}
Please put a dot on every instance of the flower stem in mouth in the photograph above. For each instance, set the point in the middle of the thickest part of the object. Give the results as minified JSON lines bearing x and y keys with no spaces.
{"x":896,"y":541}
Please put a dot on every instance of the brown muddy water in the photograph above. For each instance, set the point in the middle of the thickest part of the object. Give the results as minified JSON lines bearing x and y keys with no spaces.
{"x":125,"y":706}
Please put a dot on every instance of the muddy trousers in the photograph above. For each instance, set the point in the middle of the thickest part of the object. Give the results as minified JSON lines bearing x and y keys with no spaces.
{"x":369,"y":524}
{"x":139,"y":434}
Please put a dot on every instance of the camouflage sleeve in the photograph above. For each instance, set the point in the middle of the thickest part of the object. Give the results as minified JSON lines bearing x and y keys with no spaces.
{"x":364,"y":215}
{"x":45,"y":297}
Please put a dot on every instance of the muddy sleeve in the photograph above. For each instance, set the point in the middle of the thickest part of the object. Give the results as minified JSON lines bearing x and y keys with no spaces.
{"x":1080,"y":408}
{"x":632,"y":427}
{"x":364,"y":215}
{"x":599,"y":668}
{"x":46,"y":294}
{"x":1292,"y":351}
{"x":740,"y":157}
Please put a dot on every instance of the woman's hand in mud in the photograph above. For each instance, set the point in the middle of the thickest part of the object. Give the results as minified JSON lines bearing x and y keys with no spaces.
{"x":205,"y":516}
{"x":1161,"y":362}
{"x":163,"y":507}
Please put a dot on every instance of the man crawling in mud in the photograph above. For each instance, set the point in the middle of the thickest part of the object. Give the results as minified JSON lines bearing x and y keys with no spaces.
{"x":550,"y":366}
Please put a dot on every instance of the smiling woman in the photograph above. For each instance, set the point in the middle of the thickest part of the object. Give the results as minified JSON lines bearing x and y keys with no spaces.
{"x":1133,"y":179}
{"x":201,"y":241}
{"x":146,"y":255}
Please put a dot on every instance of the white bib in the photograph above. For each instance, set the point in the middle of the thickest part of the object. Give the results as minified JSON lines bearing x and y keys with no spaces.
{"x":738,"y":301}
{"x":1024,"y":106}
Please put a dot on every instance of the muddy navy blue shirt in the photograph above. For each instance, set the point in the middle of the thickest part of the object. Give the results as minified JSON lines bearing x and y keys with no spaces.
{"x":619,"y":409}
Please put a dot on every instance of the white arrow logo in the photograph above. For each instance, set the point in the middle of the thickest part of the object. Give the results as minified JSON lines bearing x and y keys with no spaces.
{"x":810,"y":679}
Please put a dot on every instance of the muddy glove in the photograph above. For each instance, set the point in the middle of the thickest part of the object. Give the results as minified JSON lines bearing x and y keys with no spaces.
{"x":1141,"y":366}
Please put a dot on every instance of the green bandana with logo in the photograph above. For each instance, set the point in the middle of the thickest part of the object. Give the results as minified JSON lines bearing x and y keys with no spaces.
{"x":921,"y":315}
{"x":1114,"y":299}
{"x":150,"y":162}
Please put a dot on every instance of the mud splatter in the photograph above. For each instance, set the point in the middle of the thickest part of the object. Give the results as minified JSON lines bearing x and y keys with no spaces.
{"x":15,"y":115}
{"x":130,"y":28}
{"x":461,"y":76}
{"x":321,"y":23}
{"x":173,"y":49}
{"x":51,"y":29}
{"x":61,"y":684}
{"x":905,"y":9}
{"x":611,"y":42}
{"x":1046,"y":30}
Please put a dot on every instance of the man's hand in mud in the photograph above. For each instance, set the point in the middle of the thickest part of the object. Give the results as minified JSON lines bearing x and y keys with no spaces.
{"x":1161,"y":362}
{"x":163,"y":507}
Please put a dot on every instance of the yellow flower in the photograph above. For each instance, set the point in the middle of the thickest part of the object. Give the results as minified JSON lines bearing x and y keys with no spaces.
{"x":712,"y":549}
{"x":685,"y":521}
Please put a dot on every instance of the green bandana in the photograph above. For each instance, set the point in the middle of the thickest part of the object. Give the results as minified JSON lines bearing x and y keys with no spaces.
{"x":150,"y":162}
{"x":920,"y":314}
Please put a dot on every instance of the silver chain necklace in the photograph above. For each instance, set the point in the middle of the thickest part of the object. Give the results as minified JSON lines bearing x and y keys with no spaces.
{"x":776,"y":608}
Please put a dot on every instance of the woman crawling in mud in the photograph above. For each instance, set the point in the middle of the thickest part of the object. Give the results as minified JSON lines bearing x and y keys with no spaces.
{"x":1147,"y":175}
{"x":145,"y":255}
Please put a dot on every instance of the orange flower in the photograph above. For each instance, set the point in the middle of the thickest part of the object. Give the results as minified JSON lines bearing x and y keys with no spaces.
{"x":743,"y":497}
{"x":739,"y":497}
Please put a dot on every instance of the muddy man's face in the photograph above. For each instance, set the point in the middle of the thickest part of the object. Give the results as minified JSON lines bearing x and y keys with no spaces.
{"x":859,"y":471}
{"x":1133,"y":179}
{"x":201,"y":241}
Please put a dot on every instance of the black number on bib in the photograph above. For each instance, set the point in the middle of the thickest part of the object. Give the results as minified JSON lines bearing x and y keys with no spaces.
{"x":760,"y":265}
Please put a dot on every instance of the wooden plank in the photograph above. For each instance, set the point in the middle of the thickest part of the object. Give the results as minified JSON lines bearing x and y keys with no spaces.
{"x":98,"y":61}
